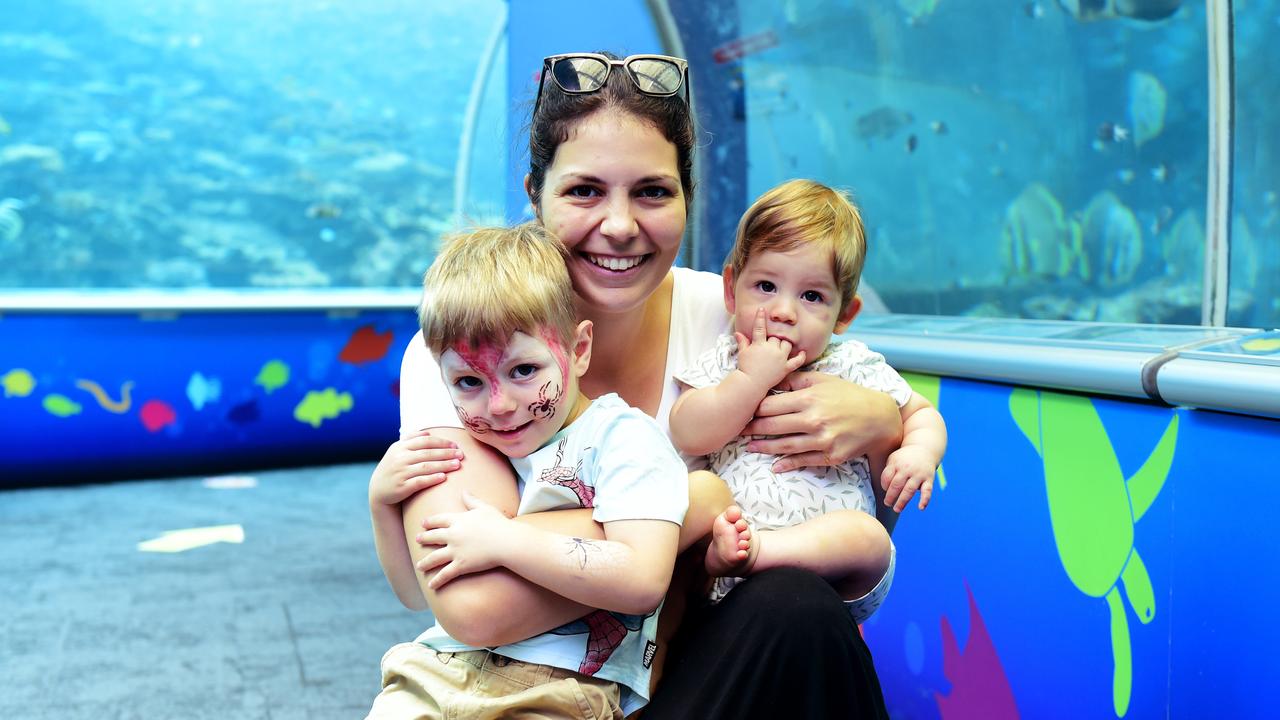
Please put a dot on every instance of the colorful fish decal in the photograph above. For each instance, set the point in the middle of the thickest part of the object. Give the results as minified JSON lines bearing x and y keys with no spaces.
{"x":319,"y":406}
{"x":273,"y":376}
{"x":18,"y":383}
{"x":119,"y":407}
{"x":202,"y":390}
{"x":61,"y":405}
{"x":1261,"y":345}
{"x":244,"y":413}
{"x":366,"y":345}
{"x":979,"y":687}
{"x":156,"y":415}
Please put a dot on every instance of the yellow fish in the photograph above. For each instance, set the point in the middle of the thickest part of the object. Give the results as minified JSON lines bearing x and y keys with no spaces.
{"x":319,"y":406}
{"x":61,"y":405}
{"x":18,"y":383}
{"x":273,"y":376}
{"x":1262,"y":345}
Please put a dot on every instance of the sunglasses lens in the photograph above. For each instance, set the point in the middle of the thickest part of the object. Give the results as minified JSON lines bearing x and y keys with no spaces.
{"x":579,"y":74}
{"x":655,"y":76}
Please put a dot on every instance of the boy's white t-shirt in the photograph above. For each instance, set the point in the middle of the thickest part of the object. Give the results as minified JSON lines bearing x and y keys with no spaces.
{"x":698,"y":317}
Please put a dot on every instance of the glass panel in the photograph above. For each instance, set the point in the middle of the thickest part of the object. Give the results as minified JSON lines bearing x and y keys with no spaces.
{"x":230,"y":143}
{"x":1020,"y":162}
{"x":1255,"y":221}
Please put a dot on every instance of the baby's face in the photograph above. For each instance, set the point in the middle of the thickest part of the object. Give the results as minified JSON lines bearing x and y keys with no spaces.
{"x":798,"y":292}
{"x":513,"y":396}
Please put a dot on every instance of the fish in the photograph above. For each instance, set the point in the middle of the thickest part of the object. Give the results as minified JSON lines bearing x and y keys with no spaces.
{"x":61,"y":405}
{"x":1109,"y":132}
{"x":156,"y":415}
{"x":202,"y":390}
{"x":18,"y":383}
{"x":1034,"y":10}
{"x":1112,"y":241}
{"x":1162,"y":173}
{"x":11,"y":224}
{"x":273,"y":376}
{"x":1147,"y":103}
{"x":912,"y":142}
{"x":318,"y":406}
{"x":1261,"y":345}
{"x":1125,"y":175}
{"x":938,"y":127}
{"x":324,"y":210}
{"x":883,"y":122}
{"x":366,"y":345}
{"x":1038,"y":241}
{"x":244,"y":413}
{"x":1183,"y":249}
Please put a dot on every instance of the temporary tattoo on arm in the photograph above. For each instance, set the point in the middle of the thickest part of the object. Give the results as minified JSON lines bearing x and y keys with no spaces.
{"x":580,"y":549}
{"x":475,"y":425}
{"x":544,"y":407}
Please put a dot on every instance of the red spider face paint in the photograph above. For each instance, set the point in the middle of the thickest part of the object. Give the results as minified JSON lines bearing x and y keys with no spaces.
{"x":509,"y":395}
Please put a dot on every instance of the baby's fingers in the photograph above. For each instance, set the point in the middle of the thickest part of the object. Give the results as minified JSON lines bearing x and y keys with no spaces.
{"x":908,"y":491}
{"x":757,"y":330}
{"x":796,"y":362}
{"x":926,"y":492}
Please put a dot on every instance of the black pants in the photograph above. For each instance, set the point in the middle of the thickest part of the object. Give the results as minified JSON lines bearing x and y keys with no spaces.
{"x":781,"y":645}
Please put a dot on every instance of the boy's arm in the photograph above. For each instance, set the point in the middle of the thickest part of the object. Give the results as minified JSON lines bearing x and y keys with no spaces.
{"x":477,"y":609}
{"x":627,"y":572}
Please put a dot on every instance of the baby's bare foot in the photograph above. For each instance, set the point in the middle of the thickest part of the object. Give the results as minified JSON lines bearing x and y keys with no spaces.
{"x":732,"y":550}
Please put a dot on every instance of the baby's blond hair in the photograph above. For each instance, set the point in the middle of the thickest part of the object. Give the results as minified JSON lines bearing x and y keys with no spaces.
{"x":489,"y":283}
{"x":803,"y":211}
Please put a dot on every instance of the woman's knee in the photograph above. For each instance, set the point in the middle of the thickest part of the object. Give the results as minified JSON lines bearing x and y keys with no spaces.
{"x":796,"y":602}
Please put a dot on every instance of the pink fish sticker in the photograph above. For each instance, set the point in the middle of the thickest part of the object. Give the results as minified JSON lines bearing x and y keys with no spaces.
{"x":156,"y":415}
{"x":979,"y":687}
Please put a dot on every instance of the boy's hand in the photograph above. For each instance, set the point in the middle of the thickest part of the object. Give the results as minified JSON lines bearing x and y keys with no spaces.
{"x":908,"y":469}
{"x":469,"y":542}
{"x":764,"y":359}
{"x":415,"y":463}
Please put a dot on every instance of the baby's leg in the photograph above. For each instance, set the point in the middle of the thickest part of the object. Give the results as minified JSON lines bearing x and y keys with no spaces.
{"x":851,"y":549}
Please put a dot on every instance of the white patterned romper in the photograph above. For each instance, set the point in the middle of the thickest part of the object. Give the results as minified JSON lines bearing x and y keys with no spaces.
{"x":771,"y":500}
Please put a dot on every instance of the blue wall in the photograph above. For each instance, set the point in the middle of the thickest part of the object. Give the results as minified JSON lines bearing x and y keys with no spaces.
{"x":980,"y":573}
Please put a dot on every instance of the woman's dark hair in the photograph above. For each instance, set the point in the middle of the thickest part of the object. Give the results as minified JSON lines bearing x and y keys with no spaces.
{"x":559,"y":112}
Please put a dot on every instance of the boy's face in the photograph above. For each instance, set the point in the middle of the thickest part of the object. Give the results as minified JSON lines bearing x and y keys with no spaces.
{"x":798,"y":292}
{"x":516,"y":396}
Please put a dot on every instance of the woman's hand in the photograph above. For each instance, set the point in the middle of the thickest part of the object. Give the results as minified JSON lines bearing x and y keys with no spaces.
{"x":468,"y":542}
{"x":823,"y":420}
{"x":417,"y":462}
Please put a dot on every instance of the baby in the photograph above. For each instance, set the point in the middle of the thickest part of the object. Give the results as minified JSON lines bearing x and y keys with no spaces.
{"x":790,"y":282}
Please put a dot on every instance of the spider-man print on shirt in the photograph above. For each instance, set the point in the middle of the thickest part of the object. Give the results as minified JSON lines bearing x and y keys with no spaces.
{"x":566,"y":476}
{"x":605,"y":631}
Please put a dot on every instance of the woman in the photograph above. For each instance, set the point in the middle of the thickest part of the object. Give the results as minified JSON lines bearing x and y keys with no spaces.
{"x":611,"y":158}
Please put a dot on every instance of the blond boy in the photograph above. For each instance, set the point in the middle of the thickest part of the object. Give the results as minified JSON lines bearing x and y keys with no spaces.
{"x":790,"y":283}
{"x":498,"y":317}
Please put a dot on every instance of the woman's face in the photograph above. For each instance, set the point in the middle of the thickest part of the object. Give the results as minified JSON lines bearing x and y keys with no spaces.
{"x":612,"y":195}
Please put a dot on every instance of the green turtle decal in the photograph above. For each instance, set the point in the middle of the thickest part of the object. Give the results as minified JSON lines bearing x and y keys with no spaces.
{"x":1093,"y":508}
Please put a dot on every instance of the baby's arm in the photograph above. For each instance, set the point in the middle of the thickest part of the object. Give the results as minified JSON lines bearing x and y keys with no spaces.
{"x":912,"y":467}
{"x":627,"y":572}
{"x":706,"y":419}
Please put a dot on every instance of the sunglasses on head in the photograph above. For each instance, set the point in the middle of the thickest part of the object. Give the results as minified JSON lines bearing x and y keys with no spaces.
{"x":581,"y":73}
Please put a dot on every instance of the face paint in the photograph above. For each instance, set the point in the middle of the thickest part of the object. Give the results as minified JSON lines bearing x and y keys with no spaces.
{"x":554,"y":344}
{"x":544,"y":407}
{"x":484,"y":359}
{"x":475,"y":425}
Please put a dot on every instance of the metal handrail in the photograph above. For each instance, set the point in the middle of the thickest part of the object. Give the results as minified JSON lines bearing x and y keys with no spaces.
{"x":1217,"y":237}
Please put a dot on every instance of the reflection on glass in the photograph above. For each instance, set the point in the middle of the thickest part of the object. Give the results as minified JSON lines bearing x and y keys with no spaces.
{"x":1021,"y":161}
{"x":229,"y":144}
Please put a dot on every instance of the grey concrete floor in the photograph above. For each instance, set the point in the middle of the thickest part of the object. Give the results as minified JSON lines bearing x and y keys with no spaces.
{"x":290,"y":623}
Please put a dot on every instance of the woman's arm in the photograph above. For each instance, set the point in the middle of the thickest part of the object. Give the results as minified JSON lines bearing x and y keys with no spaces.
{"x":477,"y":609}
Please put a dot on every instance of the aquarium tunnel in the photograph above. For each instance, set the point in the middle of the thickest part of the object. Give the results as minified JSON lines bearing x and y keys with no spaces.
{"x":214,"y":219}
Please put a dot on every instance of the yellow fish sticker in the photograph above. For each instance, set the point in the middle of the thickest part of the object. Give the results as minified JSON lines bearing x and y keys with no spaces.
{"x":18,"y":383}
{"x":273,"y":376}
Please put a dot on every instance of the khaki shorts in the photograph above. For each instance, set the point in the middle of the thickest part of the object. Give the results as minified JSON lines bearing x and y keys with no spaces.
{"x":420,"y":683}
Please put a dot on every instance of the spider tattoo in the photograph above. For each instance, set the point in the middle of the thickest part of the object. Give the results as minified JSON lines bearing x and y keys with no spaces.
{"x":580,"y":548}
{"x":475,"y":425}
{"x":544,"y":407}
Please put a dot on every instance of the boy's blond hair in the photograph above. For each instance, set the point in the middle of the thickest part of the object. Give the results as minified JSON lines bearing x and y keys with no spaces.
{"x":799,"y":212}
{"x":489,"y":283}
